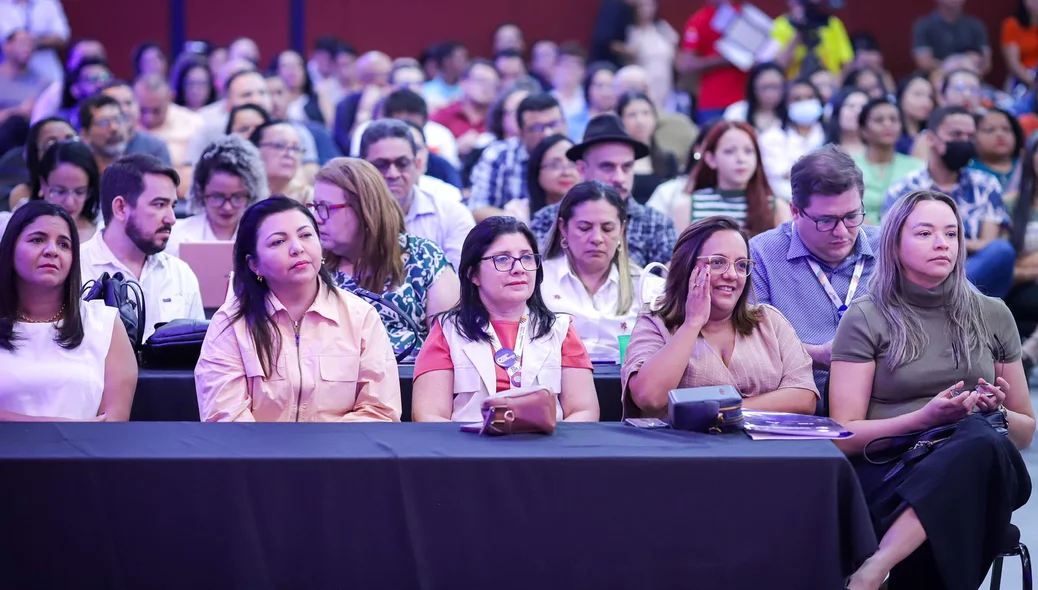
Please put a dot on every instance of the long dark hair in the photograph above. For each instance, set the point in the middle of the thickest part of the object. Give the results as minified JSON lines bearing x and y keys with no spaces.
{"x":759,"y":215}
{"x":70,"y":332}
{"x":597,"y":191}
{"x":1014,"y":126}
{"x":32,"y":152}
{"x":250,"y":291}
{"x":538,"y":198}
{"x":178,"y":77}
{"x":470,"y":315}
{"x":863,"y":117}
{"x":752,"y":104}
{"x":138,"y":53}
{"x":902,"y":88}
{"x":834,"y":132}
{"x":662,"y":164}
{"x":308,"y":85}
{"x":1025,"y":198}
{"x":592,"y":70}
{"x":689,"y":246}
{"x":1022,"y":15}
{"x":76,"y":154}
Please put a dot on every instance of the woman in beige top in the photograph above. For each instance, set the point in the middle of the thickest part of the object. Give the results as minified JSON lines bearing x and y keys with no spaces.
{"x":705,"y":332}
{"x":290,"y":346}
{"x":925,"y":349}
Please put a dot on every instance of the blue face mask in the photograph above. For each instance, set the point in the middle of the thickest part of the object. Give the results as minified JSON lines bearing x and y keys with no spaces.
{"x":805,"y":112}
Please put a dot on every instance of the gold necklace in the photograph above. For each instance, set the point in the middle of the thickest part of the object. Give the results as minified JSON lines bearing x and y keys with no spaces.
{"x":56,"y":317}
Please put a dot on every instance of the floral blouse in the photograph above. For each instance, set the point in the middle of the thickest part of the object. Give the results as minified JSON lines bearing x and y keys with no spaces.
{"x":424,"y":261}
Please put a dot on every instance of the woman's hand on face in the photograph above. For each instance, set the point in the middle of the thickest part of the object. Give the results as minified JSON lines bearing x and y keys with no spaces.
{"x":697,"y":305}
{"x":991,"y":396}
{"x":947,"y":407}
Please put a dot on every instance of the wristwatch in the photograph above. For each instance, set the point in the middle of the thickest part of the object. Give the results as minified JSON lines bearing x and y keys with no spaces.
{"x":1005,"y":413}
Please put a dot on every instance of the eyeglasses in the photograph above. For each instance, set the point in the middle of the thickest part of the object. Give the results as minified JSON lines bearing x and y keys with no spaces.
{"x":544,"y":127}
{"x":558,"y":165}
{"x":109,"y":122}
{"x":720,"y":264}
{"x":850,"y":220}
{"x":402,"y":163}
{"x":505,"y":262}
{"x":323,"y":210}
{"x":220,"y":199}
{"x":60,"y":193}
{"x":295,"y":150}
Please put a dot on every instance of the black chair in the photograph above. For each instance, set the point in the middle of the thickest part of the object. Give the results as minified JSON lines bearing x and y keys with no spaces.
{"x":1012,"y":547}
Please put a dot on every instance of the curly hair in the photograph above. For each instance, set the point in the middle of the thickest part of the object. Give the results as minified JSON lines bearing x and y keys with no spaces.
{"x":233,"y":155}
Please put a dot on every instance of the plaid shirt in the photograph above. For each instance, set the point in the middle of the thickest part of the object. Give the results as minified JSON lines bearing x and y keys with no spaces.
{"x":978,"y":195}
{"x":500,"y":174}
{"x":650,"y":234}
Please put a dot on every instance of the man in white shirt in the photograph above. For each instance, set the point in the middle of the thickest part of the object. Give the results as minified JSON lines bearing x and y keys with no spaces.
{"x":430,"y":184}
{"x":46,"y":22}
{"x":389,"y":146}
{"x":166,"y":120}
{"x":137,"y":196}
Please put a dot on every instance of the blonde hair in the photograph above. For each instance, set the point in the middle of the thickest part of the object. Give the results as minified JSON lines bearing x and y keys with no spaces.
{"x":381,"y":220}
{"x":907,"y":336}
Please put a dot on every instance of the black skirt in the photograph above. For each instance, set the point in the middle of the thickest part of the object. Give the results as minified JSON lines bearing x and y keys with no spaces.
{"x":964,"y":494}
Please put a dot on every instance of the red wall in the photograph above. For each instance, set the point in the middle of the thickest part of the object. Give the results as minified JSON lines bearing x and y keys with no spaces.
{"x":404,"y":27}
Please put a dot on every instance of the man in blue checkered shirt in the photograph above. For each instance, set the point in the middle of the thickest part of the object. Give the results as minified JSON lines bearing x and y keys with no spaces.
{"x":607,"y":154}
{"x":500,"y":174}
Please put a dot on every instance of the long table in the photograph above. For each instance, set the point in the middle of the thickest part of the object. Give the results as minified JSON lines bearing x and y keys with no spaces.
{"x":169,"y":396}
{"x":409,"y":506}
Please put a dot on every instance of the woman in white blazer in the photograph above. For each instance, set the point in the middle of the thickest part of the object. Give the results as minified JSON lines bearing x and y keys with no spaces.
{"x":501,"y":335}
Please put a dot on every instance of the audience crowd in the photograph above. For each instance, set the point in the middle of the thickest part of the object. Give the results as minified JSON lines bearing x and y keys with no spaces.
{"x":809,"y":230}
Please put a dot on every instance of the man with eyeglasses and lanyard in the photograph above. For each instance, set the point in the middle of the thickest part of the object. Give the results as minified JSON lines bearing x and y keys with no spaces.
{"x":389,"y":146}
{"x":811,"y":268}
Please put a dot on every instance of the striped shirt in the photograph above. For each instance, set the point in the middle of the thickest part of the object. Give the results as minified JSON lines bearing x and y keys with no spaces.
{"x":783,"y":278}
{"x":500,"y":174}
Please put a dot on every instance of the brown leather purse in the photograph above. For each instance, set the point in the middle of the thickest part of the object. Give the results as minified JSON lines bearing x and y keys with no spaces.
{"x":520,"y":411}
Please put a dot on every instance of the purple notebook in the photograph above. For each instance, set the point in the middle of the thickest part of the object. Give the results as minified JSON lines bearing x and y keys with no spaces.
{"x":779,"y":425}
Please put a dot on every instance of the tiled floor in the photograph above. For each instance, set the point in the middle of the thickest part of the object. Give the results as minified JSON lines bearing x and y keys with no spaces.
{"x":1027,"y":517}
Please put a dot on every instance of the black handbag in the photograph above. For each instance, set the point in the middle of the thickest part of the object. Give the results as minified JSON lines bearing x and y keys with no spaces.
{"x":126,"y":296}
{"x":175,"y":345}
{"x":905,"y":450}
{"x":713,"y":409}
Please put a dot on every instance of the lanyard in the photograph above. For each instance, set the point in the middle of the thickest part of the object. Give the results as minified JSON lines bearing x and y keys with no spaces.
{"x":508,"y":359}
{"x":841,"y":308}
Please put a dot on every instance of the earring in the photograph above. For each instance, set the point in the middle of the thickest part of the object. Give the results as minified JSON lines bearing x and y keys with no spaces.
{"x":259,"y":278}
{"x":563,"y":243}
{"x":620,"y":248}
{"x":322,"y":261}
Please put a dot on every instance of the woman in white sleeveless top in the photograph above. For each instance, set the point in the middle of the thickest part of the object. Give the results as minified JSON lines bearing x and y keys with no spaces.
{"x":501,"y":335}
{"x":62,"y":359}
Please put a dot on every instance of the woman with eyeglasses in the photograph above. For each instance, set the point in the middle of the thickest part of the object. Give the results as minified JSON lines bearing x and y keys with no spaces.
{"x":366,"y":246}
{"x":227,"y":179}
{"x":20,"y":164}
{"x":501,"y":335}
{"x":926,"y":349}
{"x":67,"y":176}
{"x":588,"y":273}
{"x":705,"y":332}
{"x":282,"y":152}
{"x":289,"y":346}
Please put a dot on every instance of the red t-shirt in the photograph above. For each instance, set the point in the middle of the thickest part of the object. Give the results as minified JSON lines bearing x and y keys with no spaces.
{"x":436,"y":354}
{"x":453,"y":117}
{"x":721,"y":86}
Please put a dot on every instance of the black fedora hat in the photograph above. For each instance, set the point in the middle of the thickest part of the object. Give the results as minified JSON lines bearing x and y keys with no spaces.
{"x":606,"y":129}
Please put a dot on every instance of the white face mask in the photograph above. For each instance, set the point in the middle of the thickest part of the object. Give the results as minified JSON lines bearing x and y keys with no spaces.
{"x":805,"y":112}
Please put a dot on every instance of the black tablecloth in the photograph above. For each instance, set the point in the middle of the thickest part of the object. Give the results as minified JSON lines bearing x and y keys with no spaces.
{"x":169,"y":396}
{"x":179,"y":505}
